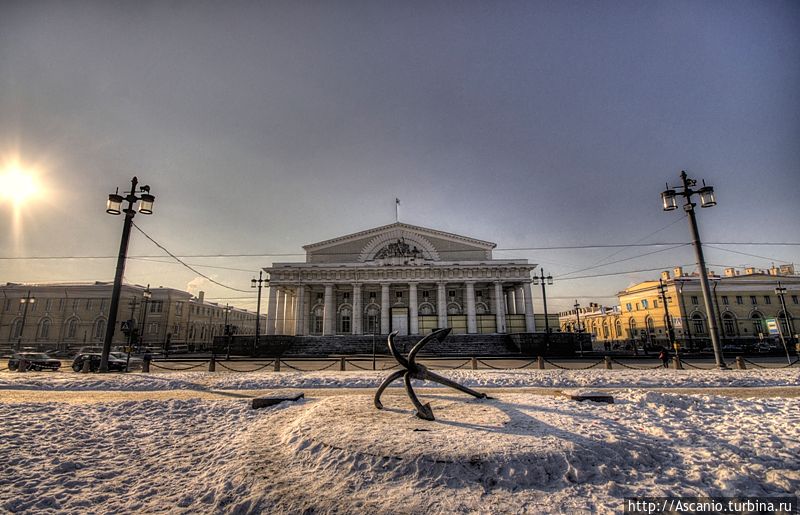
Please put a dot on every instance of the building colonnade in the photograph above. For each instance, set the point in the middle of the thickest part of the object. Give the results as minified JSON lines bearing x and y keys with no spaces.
{"x":410,"y":307}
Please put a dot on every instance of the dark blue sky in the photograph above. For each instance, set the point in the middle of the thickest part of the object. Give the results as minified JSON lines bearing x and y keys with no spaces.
{"x":264,"y":126}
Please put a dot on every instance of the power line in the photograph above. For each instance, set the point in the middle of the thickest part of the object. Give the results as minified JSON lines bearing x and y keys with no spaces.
{"x":193,"y":264}
{"x":562,"y":277}
{"x":183,"y":263}
{"x":508,"y":249}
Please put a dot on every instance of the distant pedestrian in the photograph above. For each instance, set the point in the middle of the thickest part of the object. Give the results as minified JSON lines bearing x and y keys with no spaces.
{"x":664,"y":357}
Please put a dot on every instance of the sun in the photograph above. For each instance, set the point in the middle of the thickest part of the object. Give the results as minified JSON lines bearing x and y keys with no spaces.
{"x":17,"y":185}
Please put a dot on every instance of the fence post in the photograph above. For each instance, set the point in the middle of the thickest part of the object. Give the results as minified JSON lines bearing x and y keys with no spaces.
{"x":474,"y":363}
{"x":212,"y":365}
{"x":87,"y":366}
{"x":277,"y":364}
{"x":677,"y":360}
{"x":22,"y":366}
{"x":740,"y":363}
{"x":541,"y":363}
{"x":145,"y":366}
{"x":343,"y":364}
{"x":608,"y":362}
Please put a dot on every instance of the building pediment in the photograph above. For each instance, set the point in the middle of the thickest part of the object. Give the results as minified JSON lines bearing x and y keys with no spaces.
{"x":399,"y":243}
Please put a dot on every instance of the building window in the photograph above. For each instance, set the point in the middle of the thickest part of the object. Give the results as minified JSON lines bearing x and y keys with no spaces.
{"x":47,"y":305}
{"x":655,"y":303}
{"x":317,"y":317}
{"x":44,"y":329}
{"x":373,"y":295}
{"x":371,"y":320}
{"x":728,"y":325}
{"x":100,"y":329}
{"x":698,"y":326}
{"x":725,"y":300}
{"x":425,"y":295}
{"x":399,"y":295}
{"x":645,"y":304}
{"x":152,"y":328}
{"x":346,"y":295}
{"x":344,"y":321}
{"x":758,"y":327}
{"x":753,"y":300}
{"x":16,"y":331}
{"x":694,"y":300}
{"x":628,"y":306}
{"x":632,"y":328}
{"x":618,"y":328}
{"x":156,"y":306}
{"x":739,"y":299}
{"x":794,"y":299}
{"x":319,"y":295}
{"x":178,"y":308}
{"x":75,"y":305}
{"x":72,"y":328}
{"x":451,"y":294}
{"x":767,"y":299}
{"x":88,"y":304}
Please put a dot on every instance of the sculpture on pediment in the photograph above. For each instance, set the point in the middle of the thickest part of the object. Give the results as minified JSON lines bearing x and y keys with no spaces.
{"x":398,"y":249}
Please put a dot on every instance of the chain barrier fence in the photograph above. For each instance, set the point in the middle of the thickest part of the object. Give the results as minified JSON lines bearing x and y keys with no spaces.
{"x":687,"y":364}
{"x":283,"y":363}
{"x":180,"y":369}
{"x":268,"y":364}
{"x":758,"y":365}
{"x":623,"y":365}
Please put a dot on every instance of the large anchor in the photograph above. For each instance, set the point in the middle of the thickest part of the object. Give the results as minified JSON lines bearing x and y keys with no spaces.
{"x":416,"y":371}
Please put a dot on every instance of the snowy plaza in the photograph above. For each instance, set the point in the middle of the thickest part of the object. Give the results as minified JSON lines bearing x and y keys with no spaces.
{"x":190,"y":443}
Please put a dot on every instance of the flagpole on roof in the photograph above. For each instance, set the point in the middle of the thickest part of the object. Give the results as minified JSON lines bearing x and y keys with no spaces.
{"x":396,"y":209}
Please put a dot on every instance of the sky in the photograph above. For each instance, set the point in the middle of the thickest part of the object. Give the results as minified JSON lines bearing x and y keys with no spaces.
{"x":264,"y":126}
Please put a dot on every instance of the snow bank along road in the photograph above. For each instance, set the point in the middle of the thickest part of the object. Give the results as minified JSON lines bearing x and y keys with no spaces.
{"x":520,"y":452}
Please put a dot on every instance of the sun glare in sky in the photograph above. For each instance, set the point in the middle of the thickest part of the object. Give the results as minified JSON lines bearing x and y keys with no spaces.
{"x":17,"y":185}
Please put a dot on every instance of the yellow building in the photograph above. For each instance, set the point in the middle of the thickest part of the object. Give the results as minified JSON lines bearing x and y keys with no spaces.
{"x":742,"y":300}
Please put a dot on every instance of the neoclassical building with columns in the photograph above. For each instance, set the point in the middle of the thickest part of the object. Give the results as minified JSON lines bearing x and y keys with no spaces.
{"x":403,"y":278}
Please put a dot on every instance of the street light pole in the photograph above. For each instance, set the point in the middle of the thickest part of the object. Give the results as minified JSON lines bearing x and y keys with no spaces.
{"x":113,"y":208}
{"x":707,"y":199}
{"x":544,"y":280}
{"x":146,"y":294}
{"x":227,"y":331}
{"x":781,"y":291}
{"x":258,"y":283}
{"x":25,"y":301}
{"x":578,"y":323}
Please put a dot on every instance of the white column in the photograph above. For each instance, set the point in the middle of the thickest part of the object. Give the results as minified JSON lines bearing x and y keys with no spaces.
{"x":472,"y":320}
{"x":413,"y":313}
{"x":530,"y":321}
{"x":441,"y":304}
{"x":519,"y":300}
{"x":306,"y":309}
{"x":385,"y":313}
{"x":291,"y":313}
{"x":509,"y":296}
{"x":299,"y":313}
{"x":499,"y":308}
{"x":272,"y":309}
{"x":329,"y":316}
{"x":280,"y":312}
{"x":358,"y":309}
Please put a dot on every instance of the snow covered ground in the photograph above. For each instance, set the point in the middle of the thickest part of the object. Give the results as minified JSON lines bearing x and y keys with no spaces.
{"x":520,"y":452}
{"x":661,"y":378}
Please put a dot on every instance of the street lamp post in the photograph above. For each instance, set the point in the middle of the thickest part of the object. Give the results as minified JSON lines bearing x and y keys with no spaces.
{"x":707,"y":199}
{"x":26,"y":301}
{"x":578,"y":325}
{"x":258,"y":283}
{"x":781,"y":291}
{"x":146,"y":294}
{"x":113,"y":207}
{"x":227,"y":310}
{"x":544,"y":280}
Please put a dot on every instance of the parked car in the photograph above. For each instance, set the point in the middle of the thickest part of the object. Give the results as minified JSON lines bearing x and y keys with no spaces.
{"x":115,"y":364}
{"x":134,"y":361}
{"x":37,"y":361}
{"x":733,"y":348}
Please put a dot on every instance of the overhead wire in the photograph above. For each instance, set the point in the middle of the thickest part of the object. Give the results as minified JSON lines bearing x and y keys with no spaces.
{"x":176,"y":258}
